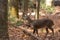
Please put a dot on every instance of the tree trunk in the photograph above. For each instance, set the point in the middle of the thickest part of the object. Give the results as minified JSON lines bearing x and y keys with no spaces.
{"x":25,"y":7}
{"x":38,"y":7}
{"x":3,"y":20}
{"x":17,"y":9}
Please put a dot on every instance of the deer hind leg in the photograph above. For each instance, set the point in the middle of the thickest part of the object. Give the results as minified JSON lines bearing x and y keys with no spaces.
{"x":51,"y":30}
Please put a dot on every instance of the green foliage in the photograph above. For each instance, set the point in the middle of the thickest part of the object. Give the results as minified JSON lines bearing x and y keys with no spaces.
{"x":19,"y":23}
{"x":47,"y":8}
{"x":12,"y":20}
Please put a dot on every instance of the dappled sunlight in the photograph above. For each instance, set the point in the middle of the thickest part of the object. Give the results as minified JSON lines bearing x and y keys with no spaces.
{"x":20,"y":27}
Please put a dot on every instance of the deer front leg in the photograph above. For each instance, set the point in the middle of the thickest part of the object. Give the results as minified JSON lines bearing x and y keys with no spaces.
{"x":35,"y":31}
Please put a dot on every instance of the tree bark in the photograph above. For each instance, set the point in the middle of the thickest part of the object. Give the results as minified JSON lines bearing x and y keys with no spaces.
{"x":37,"y":10}
{"x":3,"y":20}
{"x":17,"y":9}
{"x":25,"y":7}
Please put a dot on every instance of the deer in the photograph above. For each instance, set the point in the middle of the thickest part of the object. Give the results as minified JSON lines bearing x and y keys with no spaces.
{"x":40,"y":23}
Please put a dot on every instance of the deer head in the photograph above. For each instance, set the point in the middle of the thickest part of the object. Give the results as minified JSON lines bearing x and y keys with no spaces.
{"x":26,"y":17}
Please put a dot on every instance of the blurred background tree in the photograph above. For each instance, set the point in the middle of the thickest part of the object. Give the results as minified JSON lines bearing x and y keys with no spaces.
{"x":3,"y":20}
{"x":15,"y":8}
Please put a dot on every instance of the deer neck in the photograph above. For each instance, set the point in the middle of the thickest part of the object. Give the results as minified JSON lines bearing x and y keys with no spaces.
{"x":29,"y":20}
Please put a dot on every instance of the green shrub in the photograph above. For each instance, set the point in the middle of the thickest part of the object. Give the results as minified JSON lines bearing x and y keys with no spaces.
{"x":12,"y":19}
{"x":19,"y":23}
{"x":47,"y":8}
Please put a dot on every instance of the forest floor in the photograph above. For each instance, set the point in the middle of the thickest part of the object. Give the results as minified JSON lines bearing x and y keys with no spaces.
{"x":18,"y":34}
